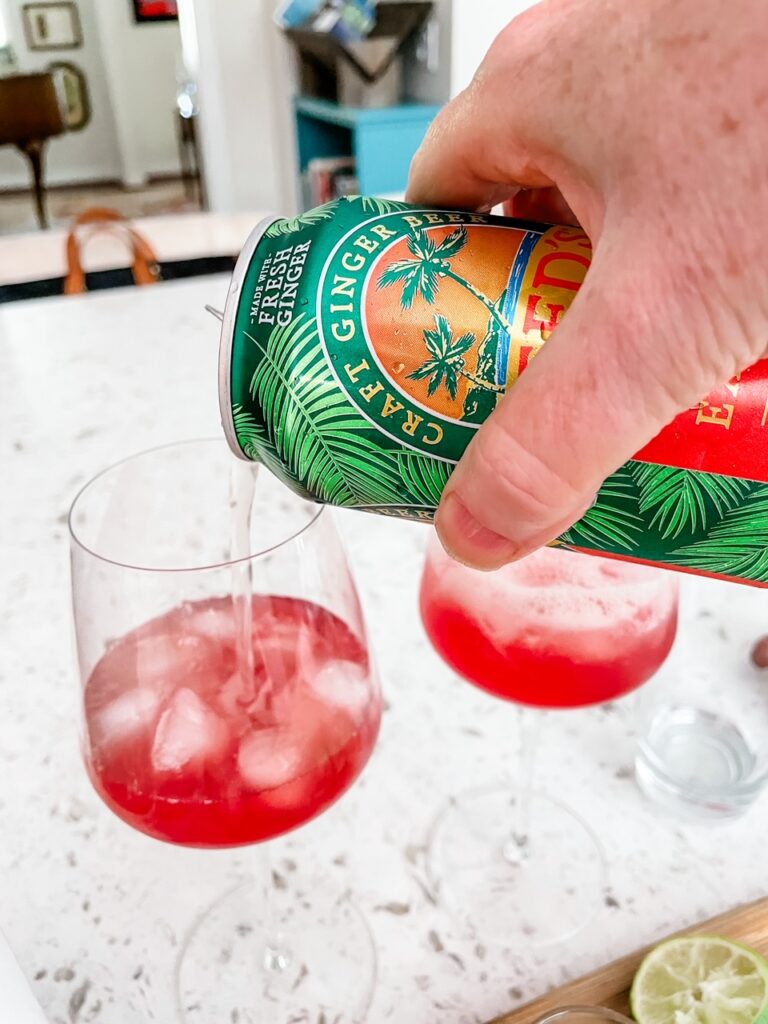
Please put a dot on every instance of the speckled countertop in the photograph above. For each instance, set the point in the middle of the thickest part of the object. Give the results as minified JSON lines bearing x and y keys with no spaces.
{"x":95,"y":912}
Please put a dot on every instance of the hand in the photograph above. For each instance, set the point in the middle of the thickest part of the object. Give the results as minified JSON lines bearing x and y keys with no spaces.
{"x":648,"y":119}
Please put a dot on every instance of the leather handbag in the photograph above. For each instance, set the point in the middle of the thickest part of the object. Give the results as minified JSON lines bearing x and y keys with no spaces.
{"x":144,"y":263}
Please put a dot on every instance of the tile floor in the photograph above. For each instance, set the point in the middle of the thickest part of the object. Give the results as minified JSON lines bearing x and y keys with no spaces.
{"x":17,"y":212}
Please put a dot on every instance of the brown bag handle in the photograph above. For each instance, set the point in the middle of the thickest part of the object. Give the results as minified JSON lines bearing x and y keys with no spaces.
{"x":145,"y":267}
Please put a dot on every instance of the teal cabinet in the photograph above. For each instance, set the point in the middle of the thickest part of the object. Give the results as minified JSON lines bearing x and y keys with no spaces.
{"x":383,"y":141}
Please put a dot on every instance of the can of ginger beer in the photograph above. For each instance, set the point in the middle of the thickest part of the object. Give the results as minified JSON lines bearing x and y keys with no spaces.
{"x":364,"y":343}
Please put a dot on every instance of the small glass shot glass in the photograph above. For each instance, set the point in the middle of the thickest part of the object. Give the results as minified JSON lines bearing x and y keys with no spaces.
{"x":583,"y":1015}
{"x":702,"y":739}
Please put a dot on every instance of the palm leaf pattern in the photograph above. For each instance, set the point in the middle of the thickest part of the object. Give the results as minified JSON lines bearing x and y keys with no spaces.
{"x":424,"y":477}
{"x":430,"y":262}
{"x":737,"y":545}
{"x":373,"y":204}
{"x":682,"y":500}
{"x":317,"y":436}
{"x":288,"y":226}
{"x":446,"y":362}
{"x":419,"y":276}
{"x":452,"y":244}
{"x":611,"y":522}
{"x":253,"y":440}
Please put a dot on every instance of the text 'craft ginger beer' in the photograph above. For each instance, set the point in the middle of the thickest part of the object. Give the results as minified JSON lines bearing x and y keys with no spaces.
{"x":365,"y":342}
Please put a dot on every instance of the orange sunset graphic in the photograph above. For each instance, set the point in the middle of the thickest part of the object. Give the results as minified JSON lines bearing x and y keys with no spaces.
{"x":443,"y":289}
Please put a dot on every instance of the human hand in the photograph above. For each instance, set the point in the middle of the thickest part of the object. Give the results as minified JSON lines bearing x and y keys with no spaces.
{"x":649,"y":121}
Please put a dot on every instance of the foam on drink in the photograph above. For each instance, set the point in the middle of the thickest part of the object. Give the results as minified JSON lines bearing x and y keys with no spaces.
{"x":556,"y":628}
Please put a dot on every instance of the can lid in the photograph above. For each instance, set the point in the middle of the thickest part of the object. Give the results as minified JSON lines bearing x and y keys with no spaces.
{"x":228,"y":332}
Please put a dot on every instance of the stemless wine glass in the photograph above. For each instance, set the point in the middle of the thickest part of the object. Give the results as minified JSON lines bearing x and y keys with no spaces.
{"x":228,"y":696}
{"x":555,"y":630}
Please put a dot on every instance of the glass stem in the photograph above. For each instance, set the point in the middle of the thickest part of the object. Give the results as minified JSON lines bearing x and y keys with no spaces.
{"x":529,"y":729}
{"x":277,"y":958}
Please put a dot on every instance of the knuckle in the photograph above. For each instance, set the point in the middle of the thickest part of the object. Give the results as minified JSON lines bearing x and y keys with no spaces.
{"x":508,"y":474}
{"x":702,"y":338}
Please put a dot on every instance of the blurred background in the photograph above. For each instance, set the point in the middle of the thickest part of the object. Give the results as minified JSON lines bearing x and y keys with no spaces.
{"x":163,"y":107}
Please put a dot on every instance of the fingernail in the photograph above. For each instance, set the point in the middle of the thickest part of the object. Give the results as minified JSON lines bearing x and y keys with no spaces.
{"x":467,"y":540}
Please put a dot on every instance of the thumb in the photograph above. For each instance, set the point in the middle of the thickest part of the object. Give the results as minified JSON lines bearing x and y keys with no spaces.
{"x":605,"y":383}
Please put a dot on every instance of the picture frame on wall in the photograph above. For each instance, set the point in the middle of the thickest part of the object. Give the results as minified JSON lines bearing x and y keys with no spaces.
{"x":148,"y":11}
{"x":52,"y":26}
{"x":74,"y":97}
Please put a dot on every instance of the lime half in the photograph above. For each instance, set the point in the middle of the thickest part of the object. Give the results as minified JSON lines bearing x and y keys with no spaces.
{"x":701,"y":979}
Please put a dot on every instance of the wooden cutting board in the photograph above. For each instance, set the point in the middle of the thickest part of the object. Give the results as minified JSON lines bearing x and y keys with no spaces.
{"x":609,"y":985}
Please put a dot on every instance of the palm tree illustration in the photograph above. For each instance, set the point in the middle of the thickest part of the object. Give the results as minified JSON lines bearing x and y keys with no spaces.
{"x":446,"y":363}
{"x":431,"y":261}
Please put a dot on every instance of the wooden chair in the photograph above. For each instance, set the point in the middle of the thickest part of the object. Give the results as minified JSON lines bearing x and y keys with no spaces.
{"x":30,"y":114}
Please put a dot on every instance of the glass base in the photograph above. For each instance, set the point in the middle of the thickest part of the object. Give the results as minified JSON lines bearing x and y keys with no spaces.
{"x":530,"y":891}
{"x":248,"y":960}
{"x":697,"y":763}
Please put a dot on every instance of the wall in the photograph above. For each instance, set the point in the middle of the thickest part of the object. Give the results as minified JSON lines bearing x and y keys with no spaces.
{"x":131,"y":71}
{"x":472,"y":32}
{"x":428,"y":60}
{"x":82,"y":156}
{"x":462,"y":32}
{"x":245,"y":83}
{"x":245,"y":78}
{"x":246,"y":125}
{"x":141,"y":63}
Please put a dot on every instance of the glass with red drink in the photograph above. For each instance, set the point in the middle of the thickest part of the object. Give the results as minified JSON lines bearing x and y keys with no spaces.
{"x":555,"y":630}
{"x":228,"y":697}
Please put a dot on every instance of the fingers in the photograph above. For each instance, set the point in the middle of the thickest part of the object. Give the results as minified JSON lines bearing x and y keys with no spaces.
{"x":599,"y":388}
{"x":477,"y":152}
{"x":546,"y":205}
{"x":494,"y":144}
{"x":462,"y":162}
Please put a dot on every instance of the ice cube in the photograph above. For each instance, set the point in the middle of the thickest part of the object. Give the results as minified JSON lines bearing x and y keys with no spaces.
{"x":132,"y":663}
{"x":161,"y":660}
{"x":343,"y":684}
{"x":230,"y":697}
{"x":215,"y":621}
{"x":188,"y":732}
{"x":271,"y":756}
{"x":125,"y":718}
{"x":239,"y":703}
{"x":275,"y":649}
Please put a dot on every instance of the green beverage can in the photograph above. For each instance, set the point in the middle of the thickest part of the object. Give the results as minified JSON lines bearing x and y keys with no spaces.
{"x":364,"y":343}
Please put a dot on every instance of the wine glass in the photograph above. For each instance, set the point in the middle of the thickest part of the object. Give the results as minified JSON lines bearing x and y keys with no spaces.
{"x":228,"y":696}
{"x":555,"y":630}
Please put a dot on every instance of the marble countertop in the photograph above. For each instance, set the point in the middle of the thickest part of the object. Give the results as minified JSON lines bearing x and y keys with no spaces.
{"x":95,"y":912}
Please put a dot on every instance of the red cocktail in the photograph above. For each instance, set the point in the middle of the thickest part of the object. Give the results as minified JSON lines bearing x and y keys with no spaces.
{"x":182,"y":748}
{"x":557,"y":629}
{"x":228,"y":697}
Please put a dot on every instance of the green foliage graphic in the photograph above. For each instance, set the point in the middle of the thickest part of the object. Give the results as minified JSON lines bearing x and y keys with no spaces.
{"x":683,"y":501}
{"x":323,"y":443}
{"x":612,"y":523}
{"x":372,"y":204}
{"x":738,"y":544}
{"x":288,"y":227}
{"x":292,"y":412}
{"x":253,"y":440}
{"x":310,"y":429}
{"x":446,"y":362}
{"x":424,"y":477}
{"x":431,"y":261}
